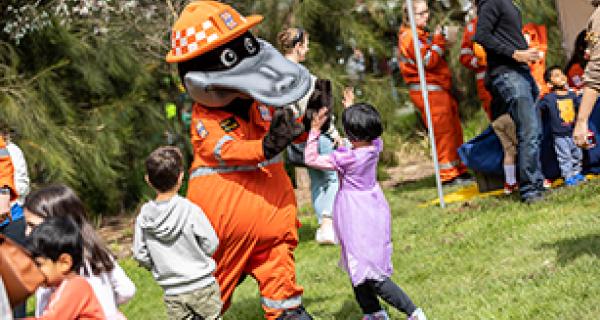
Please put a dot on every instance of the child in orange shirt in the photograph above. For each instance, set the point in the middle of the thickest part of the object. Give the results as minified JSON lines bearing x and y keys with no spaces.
{"x":57,"y":247}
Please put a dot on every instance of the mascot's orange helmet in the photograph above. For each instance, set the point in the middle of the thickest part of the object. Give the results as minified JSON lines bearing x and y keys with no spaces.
{"x":205,"y":25}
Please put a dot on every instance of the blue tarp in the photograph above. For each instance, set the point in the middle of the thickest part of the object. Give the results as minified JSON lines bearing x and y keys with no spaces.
{"x":484,"y":153}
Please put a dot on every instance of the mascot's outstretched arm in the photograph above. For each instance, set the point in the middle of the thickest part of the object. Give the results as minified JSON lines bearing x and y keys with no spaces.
{"x":215,"y":138}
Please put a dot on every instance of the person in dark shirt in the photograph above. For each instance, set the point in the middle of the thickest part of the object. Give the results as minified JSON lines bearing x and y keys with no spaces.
{"x":559,"y":106}
{"x":510,"y":82}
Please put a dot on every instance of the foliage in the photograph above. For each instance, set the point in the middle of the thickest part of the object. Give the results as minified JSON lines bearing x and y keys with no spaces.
{"x":87,"y":106}
{"x":84,"y":82}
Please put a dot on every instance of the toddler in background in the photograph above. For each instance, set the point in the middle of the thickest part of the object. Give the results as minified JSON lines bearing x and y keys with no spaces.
{"x":560,"y":107}
{"x":361,"y":214}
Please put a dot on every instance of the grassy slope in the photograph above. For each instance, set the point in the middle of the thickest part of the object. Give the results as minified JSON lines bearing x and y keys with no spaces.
{"x":489,"y":259}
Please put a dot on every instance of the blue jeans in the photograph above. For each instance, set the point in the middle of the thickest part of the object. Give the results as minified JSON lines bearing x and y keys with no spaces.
{"x":518,"y":91}
{"x":324,"y":184}
{"x":569,"y":156}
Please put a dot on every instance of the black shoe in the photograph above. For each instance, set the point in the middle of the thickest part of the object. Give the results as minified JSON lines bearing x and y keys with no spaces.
{"x":295,"y":314}
{"x":466,"y":176}
{"x":535,"y":198}
{"x":461,"y":180}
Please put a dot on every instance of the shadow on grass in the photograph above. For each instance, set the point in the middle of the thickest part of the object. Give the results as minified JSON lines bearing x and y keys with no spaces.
{"x":415,"y":185}
{"x":307,"y":232}
{"x":570,"y":249}
{"x":349,"y":310}
{"x":242,"y":309}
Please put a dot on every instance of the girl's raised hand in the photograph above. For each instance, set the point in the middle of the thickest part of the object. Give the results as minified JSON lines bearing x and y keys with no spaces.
{"x":319,"y":118}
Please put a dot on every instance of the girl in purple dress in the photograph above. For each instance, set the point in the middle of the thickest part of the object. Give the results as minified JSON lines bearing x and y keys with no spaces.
{"x":361,"y":215}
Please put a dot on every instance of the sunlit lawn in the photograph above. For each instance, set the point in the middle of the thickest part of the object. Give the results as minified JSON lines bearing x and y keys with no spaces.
{"x":490,"y":259}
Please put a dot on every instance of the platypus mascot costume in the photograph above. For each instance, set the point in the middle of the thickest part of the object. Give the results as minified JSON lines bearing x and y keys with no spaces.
{"x":247,"y":99}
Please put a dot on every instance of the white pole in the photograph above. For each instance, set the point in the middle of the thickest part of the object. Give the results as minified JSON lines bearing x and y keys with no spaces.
{"x":423,"y":82}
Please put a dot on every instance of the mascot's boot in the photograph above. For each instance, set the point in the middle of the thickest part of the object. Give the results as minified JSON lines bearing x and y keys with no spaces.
{"x":295,"y":314}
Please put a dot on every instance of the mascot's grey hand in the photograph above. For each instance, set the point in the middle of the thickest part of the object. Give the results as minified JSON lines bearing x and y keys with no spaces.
{"x":284,"y":129}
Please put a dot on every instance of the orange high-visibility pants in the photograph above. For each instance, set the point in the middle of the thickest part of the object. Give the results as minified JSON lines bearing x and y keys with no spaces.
{"x":254,"y":216}
{"x":447,"y":129}
{"x":484,"y":95}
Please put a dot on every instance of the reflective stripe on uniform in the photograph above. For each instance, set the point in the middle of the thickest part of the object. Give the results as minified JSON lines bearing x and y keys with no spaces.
{"x":219,"y":146}
{"x":480,"y":75}
{"x":449,"y":165}
{"x":437,"y":49}
{"x":475,"y":62}
{"x":465,"y":51}
{"x":404,"y":59}
{"x":430,"y":87}
{"x":427,"y":58}
{"x":205,"y":171}
{"x":4,"y":152}
{"x":284,"y":304}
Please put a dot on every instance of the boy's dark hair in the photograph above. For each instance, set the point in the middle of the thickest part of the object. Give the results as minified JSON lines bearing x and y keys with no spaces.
{"x":362,"y":122}
{"x":55,"y":236}
{"x":163,"y":166}
{"x":548,"y":73}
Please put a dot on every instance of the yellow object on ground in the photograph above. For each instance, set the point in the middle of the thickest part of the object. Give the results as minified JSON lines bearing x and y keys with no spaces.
{"x":471,"y":192}
{"x":463,"y":194}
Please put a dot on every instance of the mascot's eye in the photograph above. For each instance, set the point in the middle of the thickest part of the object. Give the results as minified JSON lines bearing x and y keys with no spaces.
{"x":250,"y":46}
{"x":228,"y":57}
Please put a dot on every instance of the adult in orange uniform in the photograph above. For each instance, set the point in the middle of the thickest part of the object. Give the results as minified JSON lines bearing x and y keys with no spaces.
{"x":443,"y":106}
{"x":576,"y":66}
{"x":7,"y":187}
{"x":472,"y":62}
{"x":537,"y":37}
{"x":237,"y":176}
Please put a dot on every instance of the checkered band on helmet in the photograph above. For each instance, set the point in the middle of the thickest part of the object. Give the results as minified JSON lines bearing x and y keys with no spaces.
{"x":204,"y":26}
{"x":192,"y":38}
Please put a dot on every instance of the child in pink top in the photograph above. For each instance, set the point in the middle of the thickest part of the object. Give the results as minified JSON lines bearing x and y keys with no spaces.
{"x":57,"y":247}
{"x":361,"y":214}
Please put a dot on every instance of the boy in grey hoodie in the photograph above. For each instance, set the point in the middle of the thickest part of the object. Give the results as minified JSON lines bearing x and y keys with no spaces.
{"x":174,"y":239}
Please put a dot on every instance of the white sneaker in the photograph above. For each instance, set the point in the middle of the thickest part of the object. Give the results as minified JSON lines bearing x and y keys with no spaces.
{"x":417,"y":315}
{"x":379,"y":315}
{"x":325,"y":234}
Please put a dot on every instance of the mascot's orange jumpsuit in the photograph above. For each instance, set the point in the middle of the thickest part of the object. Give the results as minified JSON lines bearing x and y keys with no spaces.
{"x":249,"y":201}
{"x":6,"y":170}
{"x":443,"y":106}
{"x":470,"y":60}
{"x":537,"y":37}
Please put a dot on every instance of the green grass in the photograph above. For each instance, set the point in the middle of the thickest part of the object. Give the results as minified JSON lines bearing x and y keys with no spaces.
{"x":492,"y":258}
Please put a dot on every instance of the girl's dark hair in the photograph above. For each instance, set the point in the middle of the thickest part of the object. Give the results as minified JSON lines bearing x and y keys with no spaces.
{"x":362,"y":122}
{"x":55,"y":236}
{"x":578,"y":51}
{"x":61,"y":201}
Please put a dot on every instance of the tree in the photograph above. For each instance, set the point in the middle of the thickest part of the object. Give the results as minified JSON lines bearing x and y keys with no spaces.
{"x":85,"y":82}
